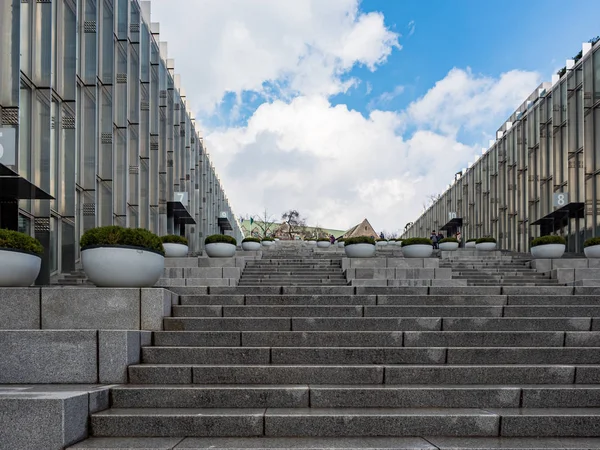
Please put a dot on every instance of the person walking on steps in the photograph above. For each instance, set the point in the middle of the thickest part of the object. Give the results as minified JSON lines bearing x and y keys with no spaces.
{"x":440,"y":236}
{"x":434,"y":239}
{"x":381,"y":236}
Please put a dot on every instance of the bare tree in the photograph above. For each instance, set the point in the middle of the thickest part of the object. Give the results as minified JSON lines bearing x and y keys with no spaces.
{"x":264,"y":223}
{"x":295,"y":222}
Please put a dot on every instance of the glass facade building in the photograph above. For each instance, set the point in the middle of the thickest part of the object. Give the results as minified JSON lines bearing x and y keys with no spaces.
{"x":101,"y":124}
{"x":540,"y":176}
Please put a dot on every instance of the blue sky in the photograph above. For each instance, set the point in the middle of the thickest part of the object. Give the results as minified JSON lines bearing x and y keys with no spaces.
{"x":347,"y":109}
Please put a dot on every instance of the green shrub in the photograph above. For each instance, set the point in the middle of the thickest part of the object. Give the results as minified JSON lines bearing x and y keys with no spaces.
{"x":174,"y":239}
{"x":381,"y":240}
{"x":483,"y":240}
{"x":20,"y":241}
{"x":548,"y":240}
{"x":588,"y":242}
{"x":341,"y":240}
{"x":216,"y":238}
{"x":251,"y":239}
{"x":472,"y":240}
{"x":449,"y":239}
{"x":323,"y":240}
{"x":416,"y":241}
{"x":268,"y":239}
{"x":359,"y":240}
{"x":116,"y":236}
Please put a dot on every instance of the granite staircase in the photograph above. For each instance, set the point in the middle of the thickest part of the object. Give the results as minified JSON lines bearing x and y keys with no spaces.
{"x":293,"y":272}
{"x":350,"y":367}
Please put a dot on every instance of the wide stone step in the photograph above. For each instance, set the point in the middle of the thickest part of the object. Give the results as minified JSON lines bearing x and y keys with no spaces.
{"x":516,"y":324}
{"x":268,"y":311}
{"x":286,"y":276}
{"x":323,"y":338}
{"x":337,"y":443}
{"x":293,"y":282}
{"x":364,"y":374}
{"x":227,"y":324}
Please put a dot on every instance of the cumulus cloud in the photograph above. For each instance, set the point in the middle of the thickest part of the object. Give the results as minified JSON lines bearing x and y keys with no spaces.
{"x":303,"y":47}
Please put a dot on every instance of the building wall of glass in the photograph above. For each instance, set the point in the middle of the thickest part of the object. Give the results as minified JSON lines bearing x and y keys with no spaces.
{"x":541,"y":175}
{"x":101,"y":123}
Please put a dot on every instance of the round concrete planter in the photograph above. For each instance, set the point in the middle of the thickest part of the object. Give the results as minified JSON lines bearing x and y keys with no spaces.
{"x":220,"y":250}
{"x":448,"y":246}
{"x":276,"y":239}
{"x":382,"y":243}
{"x":312,"y":243}
{"x":267,"y":243}
{"x":398,"y":243}
{"x":486,"y":246}
{"x":340,"y":244}
{"x":548,"y":251}
{"x":593,"y":251}
{"x":122,"y":266}
{"x":471,"y":244}
{"x":250,"y":246}
{"x":323,"y":244}
{"x":417,"y":251}
{"x":175,"y":250}
{"x":360,"y":250}
{"x":18,"y":268}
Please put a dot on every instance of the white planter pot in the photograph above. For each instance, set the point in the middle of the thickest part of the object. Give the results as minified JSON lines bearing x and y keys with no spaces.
{"x":471,"y":244}
{"x":340,"y":244}
{"x":360,"y":250}
{"x":448,"y":246}
{"x":593,"y":251}
{"x":323,"y":244}
{"x":250,"y":246}
{"x":486,"y":246}
{"x":18,"y":268}
{"x":398,"y":243}
{"x":267,"y":243}
{"x":548,"y":251}
{"x":175,"y":250}
{"x":382,"y":243}
{"x":220,"y":250}
{"x":122,"y":266}
{"x":312,"y":242}
{"x":417,"y":251}
{"x":276,"y":239}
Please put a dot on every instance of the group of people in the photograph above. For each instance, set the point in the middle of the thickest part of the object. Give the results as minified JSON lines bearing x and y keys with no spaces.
{"x":437,"y":237}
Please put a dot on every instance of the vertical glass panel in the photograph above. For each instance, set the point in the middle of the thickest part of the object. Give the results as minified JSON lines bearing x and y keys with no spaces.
{"x":105,"y":199}
{"x":69,"y":43}
{"x":24,"y":224}
{"x":108,"y":38}
{"x":597,"y":75}
{"x":42,"y":50}
{"x":105,"y":161}
{"x":53,"y":250}
{"x":122,"y":19}
{"x":25,"y":133}
{"x":121,"y":173}
{"x":579,"y":118}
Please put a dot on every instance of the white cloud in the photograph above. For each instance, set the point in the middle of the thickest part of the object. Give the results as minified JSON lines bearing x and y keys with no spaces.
{"x":307,"y":46}
{"x":385,"y":98}
{"x":411,"y":27}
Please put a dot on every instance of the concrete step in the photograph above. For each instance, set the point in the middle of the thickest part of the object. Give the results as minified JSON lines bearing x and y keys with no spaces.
{"x":269,"y":311}
{"x":516,"y":324}
{"x":227,"y":323}
{"x":322,"y":338}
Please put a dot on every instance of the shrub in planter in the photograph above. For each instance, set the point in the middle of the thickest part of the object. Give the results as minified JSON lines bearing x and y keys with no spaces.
{"x":471,"y":243}
{"x":20,"y":259}
{"x":548,"y":247}
{"x":417,"y":247}
{"x":591,"y":247}
{"x":323,"y":242}
{"x":485,"y":243}
{"x":382,"y":242}
{"x":220,"y":246}
{"x":448,"y":244}
{"x":251,"y":244}
{"x":115,"y":256}
{"x":359,"y":247}
{"x":175,"y":246}
{"x":267,"y":241}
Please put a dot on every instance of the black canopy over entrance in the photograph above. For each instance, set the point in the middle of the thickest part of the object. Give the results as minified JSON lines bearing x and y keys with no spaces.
{"x":180,"y":217}
{"x":558,"y":219}
{"x":453,"y":226}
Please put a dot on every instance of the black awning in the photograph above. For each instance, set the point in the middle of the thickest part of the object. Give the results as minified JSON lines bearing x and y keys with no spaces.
{"x":570,"y":211}
{"x":180,"y":213}
{"x":224,"y":223}
{"x":453,"y":224}
{"x":15,"y":187}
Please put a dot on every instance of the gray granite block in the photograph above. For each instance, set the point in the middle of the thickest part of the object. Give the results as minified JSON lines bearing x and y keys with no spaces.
{"x":322,"y":339}
{"x":515,"y":374}
{"x":108,"y":443}
{"x":189,"y":290}
{"x":414,"y":397}
{"x":160,"y":422}
{"x":521,"y":300}
{"x":377,"y":274}
{"x":433,"y":311}
{"x":289,"y":374}
{"x":227,"y":324}
{"x":531,"y":355}
{"x":587,"y":290}
{"x":514,"y":443}
{"x":173,"y":272}
{"x":155,"y":305}
{"x":181,"y":262}
{"x":380,"y":422}
{"x":293,"y":311}
{"x":483,"y":339}
{"x":561,"y":397}
{"x":551,"y":311}
{"x":197,"y":338}
{"x":117,"y":349}
{"x":160,"y":374}
{"x":43,"y":356}
{"x":170,"y":282}
{"x":537,"y":290}
{"x":582,"y":339}
{"x":205,"y":355}
{"x":366,"y":324}
{"x":197,"y":311}
{"x":357,"y":355}
{"x":443,"y":273}
{"x":369,"y":283}
{"x":311,"y":299}
{"x":448,"y":283}
{"x":442,"y":300}
{"x":145,"y":338}
{"x":265,"y":290}
{"x":414,"y":273}
{"x":466,"y":290}
{"x":217,"y":262}
{"x":516,"y":324}
{"x":307,"y":443}
{"x":203,"y":272}
{"x":370,"y":263}
{"x":189,"y":300}
{"x":20,"y":308}
{"x":316,"y":290}
{"x":43,"y":421}
{"x":91,"y":308}
{"x":232,"y":272}
{"x":570,"y":263}
{"x":99,"y":400}
{"x":522,"y":422}
{"x":211,"y":396}
{"x":211,"y":282}
{"x":588,"y":375}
